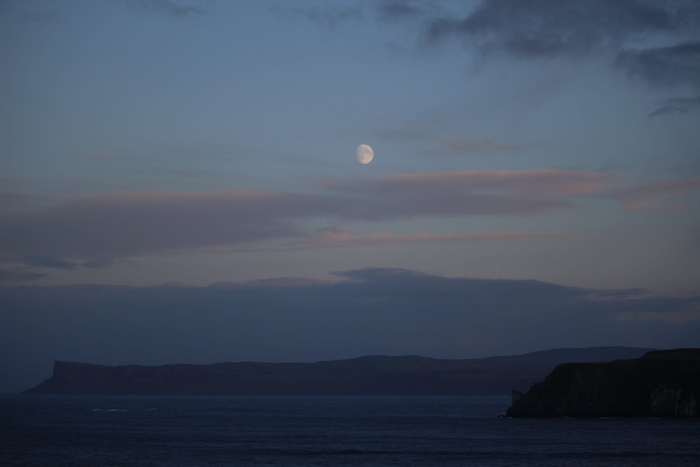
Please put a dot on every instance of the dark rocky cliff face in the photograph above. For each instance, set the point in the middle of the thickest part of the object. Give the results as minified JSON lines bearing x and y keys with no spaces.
{"x":372,"y":375}
{"x":660,"y":384}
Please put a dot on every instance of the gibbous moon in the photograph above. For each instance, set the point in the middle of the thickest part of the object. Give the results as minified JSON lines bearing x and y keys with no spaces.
{"x":365,"y":154}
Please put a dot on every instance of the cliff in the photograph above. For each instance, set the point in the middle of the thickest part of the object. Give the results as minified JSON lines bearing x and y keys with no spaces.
{"x":372,"y":375}
{"x":659,"y":384}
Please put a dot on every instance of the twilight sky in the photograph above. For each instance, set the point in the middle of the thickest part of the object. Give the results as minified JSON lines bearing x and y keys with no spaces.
{"x":536,"y":179}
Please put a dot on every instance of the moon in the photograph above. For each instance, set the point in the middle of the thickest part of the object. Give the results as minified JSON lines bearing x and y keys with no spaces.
{"x":365,"y":154}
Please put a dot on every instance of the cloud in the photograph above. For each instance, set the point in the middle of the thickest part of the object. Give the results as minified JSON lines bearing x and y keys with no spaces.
{"x":541,"y":182}
{"x":135,"y":223}
{"x":465,"y":193}
{"x":572,"y":29}
{"x":96,"y":230}
{"x":30,"y":266}
{"x":676,"y":317}
{"x":168,"y":7}
{"x":90,"y":228}
{"x":667,"y":194}
{"x":677,"y":105}
{"x":340,"y":236}
{"x":398,"y":10}
{"x":272,"y":282}
{"x":565,"y":29}
{"x":326,"y":15}
{"x":98,"y":263}
{"x":367,"y":311}
{"x":664,"y":66}
{"x":19,"y":275}
{"x":544,"y":29}
{"x":649,"y":40}
{"x":532,"y":29}
{"x":48,"y":262}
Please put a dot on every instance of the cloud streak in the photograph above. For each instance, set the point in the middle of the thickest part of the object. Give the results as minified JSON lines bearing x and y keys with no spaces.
{"x":95,"y":230}
{"x":47,"y":262}
{"x":665,"y":66}
{"x":536,"y":183}
{"x":328,"y":16}
{"x":340,"y":236}
{"x":678,"y":105}
{"x":136,"y":223}
{"x":167,"y":8}
{"x":667,"y":194}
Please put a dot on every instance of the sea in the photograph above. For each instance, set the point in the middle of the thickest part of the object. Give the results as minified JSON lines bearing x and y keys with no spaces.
{"x":325,"y":431}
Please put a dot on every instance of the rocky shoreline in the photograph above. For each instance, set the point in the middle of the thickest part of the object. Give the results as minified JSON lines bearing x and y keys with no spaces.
{"x":662,"y":383}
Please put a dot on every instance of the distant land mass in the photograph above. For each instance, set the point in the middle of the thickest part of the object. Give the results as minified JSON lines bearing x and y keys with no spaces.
{"x":664,"y":383}
{"x":369,"y":375}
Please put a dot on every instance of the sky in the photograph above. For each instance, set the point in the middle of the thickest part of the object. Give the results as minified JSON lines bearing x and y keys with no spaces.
{"x":179,"y":181}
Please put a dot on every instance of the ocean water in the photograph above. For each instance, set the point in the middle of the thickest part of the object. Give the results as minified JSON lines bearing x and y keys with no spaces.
{"x":324,"y":431}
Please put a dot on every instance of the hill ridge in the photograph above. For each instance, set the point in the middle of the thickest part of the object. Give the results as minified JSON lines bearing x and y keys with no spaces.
{"x":365,"y":375}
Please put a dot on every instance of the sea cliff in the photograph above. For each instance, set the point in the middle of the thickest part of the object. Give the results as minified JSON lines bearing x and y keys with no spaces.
{"x":659,"y":384}
{"x":370,"y":375}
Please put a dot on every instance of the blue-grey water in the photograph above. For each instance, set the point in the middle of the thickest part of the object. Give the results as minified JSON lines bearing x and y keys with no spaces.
{"x":328,"y":431}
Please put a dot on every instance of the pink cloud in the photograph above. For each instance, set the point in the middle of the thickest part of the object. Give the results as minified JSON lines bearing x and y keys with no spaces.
{"x":667,"y":194}
{"x":132,"y":224}
{"x":471,"y":192}
{"x":339,"y":236}
{"x":537,"y":182}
